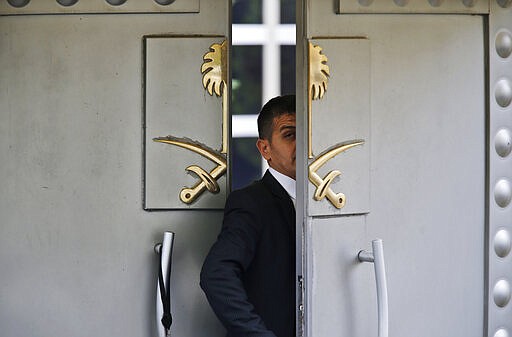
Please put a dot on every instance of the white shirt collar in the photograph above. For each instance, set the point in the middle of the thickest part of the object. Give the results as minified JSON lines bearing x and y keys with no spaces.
{"x":285,"y":181}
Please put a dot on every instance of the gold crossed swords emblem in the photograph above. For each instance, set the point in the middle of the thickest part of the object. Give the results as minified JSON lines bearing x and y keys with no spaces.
{"x":323,"y":186}
{"x":207,"y":180}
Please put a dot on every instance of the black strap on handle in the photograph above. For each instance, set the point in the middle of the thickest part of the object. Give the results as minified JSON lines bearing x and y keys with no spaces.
{"x":165,"y":295}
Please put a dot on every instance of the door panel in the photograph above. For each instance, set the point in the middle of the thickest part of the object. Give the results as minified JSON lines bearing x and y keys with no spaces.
{"x":177,"y":105}
{"x":349,"y":124}
{"x":427,"y":180}
{"x":76,"y":246}
{"x":342,"y":288}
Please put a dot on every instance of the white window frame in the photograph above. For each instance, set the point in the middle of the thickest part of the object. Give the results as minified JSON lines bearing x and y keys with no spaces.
{"x":271,"y":34}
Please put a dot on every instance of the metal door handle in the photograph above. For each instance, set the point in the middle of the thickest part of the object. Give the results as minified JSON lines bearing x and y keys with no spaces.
{"x":164,"y":250}
{"x":377,"y":257}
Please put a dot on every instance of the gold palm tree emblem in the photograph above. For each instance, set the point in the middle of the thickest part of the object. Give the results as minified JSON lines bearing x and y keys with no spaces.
{"x":318,"y":77}
{"x":215,"y":75}
{"x":318,"y":72}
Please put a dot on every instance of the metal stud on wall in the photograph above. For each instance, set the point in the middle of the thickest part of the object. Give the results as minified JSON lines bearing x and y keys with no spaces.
{"x":116,"y":2}
{"x":21,"y":7}
{"x":500,"y":169}
{"x":22,"y":3}
{"x":416,"y":6}
{"x":67,"y":2}
{"x":18,"y":3}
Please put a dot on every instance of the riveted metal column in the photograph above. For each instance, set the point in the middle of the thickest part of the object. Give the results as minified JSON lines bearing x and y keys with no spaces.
{"x":500,"y":169}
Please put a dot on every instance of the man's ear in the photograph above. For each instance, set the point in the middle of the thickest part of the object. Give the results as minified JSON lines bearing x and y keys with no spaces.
{"x":264,"y":148}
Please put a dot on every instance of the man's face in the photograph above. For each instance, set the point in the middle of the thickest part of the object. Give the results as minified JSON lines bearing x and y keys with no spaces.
{"x":279,"y":151}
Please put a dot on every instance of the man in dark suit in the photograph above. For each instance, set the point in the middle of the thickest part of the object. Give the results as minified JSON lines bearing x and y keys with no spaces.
{"x":249,"y":273}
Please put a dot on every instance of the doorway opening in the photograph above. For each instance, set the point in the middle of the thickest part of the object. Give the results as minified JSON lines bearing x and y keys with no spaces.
{"x":263,"y":66}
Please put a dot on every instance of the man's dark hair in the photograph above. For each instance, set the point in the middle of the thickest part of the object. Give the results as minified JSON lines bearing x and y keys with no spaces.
{"x":276,"y":107}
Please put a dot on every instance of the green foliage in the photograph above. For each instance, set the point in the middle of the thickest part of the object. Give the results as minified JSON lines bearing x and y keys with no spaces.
{"x":247,"y":74}
{"x":247,"y":11}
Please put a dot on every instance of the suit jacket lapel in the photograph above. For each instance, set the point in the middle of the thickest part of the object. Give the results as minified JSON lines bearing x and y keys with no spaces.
{"x":285,"y":201}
